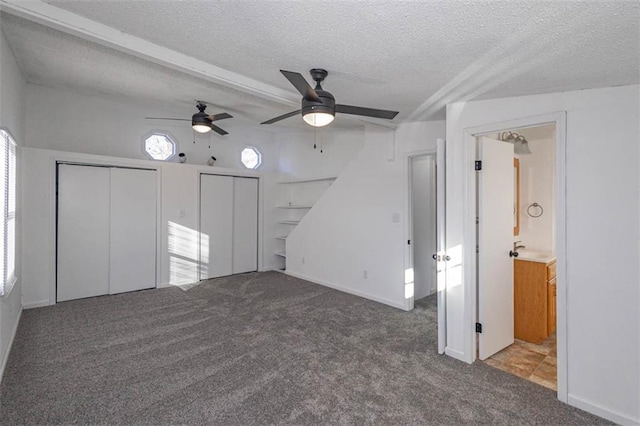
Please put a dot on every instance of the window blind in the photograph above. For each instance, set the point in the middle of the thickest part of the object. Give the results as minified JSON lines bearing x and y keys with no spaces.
{"x":8,"y":208}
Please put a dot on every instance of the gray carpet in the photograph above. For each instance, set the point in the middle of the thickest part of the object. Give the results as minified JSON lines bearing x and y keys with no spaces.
{"x":260,"y":348}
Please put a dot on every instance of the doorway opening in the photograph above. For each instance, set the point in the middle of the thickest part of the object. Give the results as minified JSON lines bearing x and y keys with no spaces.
{"x":516,"y":252}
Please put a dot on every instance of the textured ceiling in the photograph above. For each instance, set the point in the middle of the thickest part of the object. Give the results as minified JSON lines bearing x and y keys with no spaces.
{"x":410,"y":56}
{"x":52,"y":58}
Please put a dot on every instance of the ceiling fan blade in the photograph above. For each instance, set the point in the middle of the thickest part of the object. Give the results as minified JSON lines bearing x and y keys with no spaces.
{"x":165,"y":118}
{"x":369,"y":112}
{"x":218,"y":130}
{"x":220,"y":116}
{"x":282,"y":117}
{"x":301,"y":84}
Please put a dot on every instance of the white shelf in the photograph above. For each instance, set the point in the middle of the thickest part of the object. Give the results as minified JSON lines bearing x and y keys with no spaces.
{"x":280,"y":254}
{"x":307,"y":180}
{"x":289,"y":222}
{"x":292,"y":206}
{"x":283,"y":237}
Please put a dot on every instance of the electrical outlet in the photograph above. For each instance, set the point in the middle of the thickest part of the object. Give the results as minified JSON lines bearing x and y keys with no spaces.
{"x":183,"y":213}
{"x":365,"y":274}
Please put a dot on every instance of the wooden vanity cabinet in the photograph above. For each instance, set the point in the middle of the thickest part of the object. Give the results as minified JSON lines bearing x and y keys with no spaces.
{"x":534,"y":300}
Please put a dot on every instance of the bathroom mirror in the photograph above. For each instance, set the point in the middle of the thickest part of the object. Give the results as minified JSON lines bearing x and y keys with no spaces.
{"x":516,"y":196}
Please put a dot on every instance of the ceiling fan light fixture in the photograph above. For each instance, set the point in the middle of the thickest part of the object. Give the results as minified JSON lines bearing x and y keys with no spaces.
{"x":318,"y":119}
{"x":318,"y":114}
{"x":201,"y":128}
{"x":201,"y":123}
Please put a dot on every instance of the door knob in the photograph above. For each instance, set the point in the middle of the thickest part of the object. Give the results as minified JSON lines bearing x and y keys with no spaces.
{"x":513,"y":253}
{"x":435,"y":257}
{"x":447,"y":258}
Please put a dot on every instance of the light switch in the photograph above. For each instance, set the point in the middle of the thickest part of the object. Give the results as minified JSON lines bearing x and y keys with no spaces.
{"x":183,"y":213}
{"x":395,"y":218}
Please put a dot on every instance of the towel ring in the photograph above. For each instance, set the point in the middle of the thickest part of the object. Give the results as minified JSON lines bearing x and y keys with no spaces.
{"x":535,"y":206}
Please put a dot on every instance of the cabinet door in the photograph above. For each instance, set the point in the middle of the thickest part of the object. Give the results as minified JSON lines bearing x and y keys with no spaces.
{"x":83,"y":232}
{"x":133,"y":230}
{"x":551,"y":306}
{"x":245,"y":225}
{"x":530,"y":301}
{"x":216,"y":226}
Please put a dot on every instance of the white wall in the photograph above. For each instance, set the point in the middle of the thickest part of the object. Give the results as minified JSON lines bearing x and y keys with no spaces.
{"x":109,"y":130}
{"x":298,"y":159}
{"x":68,"y":121}
{"x":178,"y":219}
{"x":359,"y":224}
{"x":537,"y":185}
{"x":12,"y":93}
{"x":601,"y":278}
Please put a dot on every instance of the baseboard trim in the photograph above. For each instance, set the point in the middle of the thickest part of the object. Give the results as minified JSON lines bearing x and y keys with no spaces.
{"x":350,"y":291}
{"x":601,"y":411}
{"x":5,"y":356}
{"x":39,"y":304}
{"x":454,"y":353}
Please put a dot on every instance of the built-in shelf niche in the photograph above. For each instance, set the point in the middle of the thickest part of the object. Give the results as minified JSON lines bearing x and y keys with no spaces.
{"x":296,"y":198}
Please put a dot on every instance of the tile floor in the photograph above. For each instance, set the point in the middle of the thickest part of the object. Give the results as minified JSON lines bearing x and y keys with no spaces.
{"x":536,"y":363}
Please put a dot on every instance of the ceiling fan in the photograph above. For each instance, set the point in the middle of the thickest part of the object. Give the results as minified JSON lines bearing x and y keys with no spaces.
{"x":201,"y":121}
{"x":319,"y":106}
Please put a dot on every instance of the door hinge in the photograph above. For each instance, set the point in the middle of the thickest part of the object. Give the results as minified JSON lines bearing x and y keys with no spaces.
{"x":478,"y":327}
{"x":478,"y":165}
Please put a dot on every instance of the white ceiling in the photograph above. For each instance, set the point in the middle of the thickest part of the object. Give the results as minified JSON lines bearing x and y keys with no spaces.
{"x":409,"y":56}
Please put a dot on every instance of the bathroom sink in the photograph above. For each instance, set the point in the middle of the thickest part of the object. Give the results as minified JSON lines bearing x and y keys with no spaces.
{"x":536,"y":256}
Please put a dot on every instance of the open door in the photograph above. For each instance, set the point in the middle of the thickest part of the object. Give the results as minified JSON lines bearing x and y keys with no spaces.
{"x":495,"y":242}
{"x":423,"y":224}
{"x":439,"y":256}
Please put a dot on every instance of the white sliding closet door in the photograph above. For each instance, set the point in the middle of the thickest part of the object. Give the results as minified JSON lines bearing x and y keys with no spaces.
{"x":216,"y":226}
{"x":83,"y":232}
{"x":133,"y":230}
{"x":245,"y":225}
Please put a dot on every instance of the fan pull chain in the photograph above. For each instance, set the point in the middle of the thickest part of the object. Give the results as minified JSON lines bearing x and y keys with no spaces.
{"x":314,"y":138}
{"x":194,"y":136}
{"x":209,"y":140}
{"x":321,"y":142}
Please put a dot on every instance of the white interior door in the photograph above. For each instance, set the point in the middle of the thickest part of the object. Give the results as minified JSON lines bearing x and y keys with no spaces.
{"x":245,"y":225}
{"x":423,"y":221}
{"x":83,"y":232}
{"x":495,"y":241}
{"x":216,"y":226}
{"x":133,"y":230}
{"x":440,"y":241}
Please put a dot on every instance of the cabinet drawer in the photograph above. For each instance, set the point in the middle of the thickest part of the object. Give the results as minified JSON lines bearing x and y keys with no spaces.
{"x":551,"y":271}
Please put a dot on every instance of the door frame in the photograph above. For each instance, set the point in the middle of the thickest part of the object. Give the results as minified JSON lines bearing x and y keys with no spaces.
{"x":260,"y":218}
{"x":470,"y":238}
